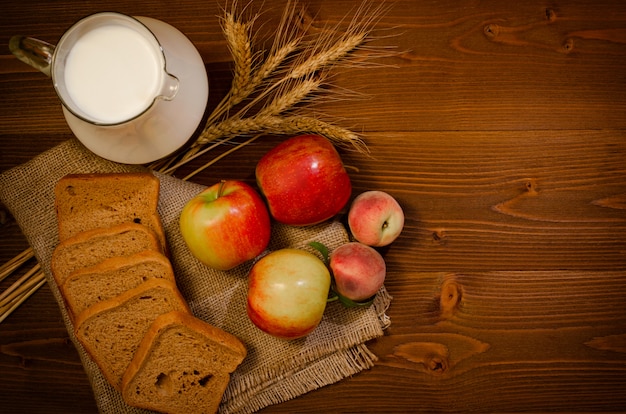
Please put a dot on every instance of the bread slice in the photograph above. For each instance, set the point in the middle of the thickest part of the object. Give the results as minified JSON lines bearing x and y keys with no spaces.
{"x":111,"y":331}
{"x":89,"y":201}
{"x":112,"y":277}
{"x":91,"y":247}
{"x":183,"y":365}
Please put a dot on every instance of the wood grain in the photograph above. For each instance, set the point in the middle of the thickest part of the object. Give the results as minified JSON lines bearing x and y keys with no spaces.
{"x":501,"y":129}
{"x":496,"y":200}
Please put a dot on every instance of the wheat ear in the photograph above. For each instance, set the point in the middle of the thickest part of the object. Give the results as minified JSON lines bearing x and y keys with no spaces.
{"x":247,"y":125}
{"x":326,"y":57}
{"x":290,"y":125}
{"x":286,"y":41}
{"x":342,"y":137}
{"x":240,"y":45}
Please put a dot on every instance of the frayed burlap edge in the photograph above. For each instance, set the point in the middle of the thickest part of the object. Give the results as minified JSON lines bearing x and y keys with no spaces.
{"x":316,"y":374}
{"x":280,"y":387}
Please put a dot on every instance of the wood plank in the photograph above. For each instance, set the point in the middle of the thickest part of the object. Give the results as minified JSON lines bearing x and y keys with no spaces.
{"x":36,"y":350}
{"x":499,"y":66}
{"x":489,"y":341}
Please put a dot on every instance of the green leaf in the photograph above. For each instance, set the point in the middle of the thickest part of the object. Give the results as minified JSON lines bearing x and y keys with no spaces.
{"x":349,"y":303}
{"x":322,"y":249}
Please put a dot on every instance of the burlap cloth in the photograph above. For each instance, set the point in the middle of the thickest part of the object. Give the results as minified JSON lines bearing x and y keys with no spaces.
{"x":274,"y":370}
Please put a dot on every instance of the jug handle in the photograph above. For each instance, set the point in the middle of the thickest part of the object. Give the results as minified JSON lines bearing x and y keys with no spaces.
{"x":33,"y":52}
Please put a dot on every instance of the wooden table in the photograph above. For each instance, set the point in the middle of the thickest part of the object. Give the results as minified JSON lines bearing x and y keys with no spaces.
{"x":501,"y":129}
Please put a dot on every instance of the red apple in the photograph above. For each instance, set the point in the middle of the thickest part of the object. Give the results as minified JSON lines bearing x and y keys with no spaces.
{"x":359,"y":271}
{"x":303,"y":180}
{"x":287,"y":293}
{"x":375,"y":218}
{"x":226,"y":225}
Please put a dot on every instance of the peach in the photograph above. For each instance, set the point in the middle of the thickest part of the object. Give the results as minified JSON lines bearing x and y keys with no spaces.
{"x":359,"y":271}
{"x":375,"y":218}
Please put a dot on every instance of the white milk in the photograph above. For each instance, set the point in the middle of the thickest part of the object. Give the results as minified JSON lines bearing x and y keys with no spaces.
{"x":113,"y":73}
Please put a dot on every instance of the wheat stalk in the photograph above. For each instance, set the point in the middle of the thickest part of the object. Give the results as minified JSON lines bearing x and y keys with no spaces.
{"x":247,"y":78}
{"x":342,"y":137}
{"x":295,"y":124}
{"x":277,"y":84}
{"x":328,"y":56}
{"x":216,"y":159}
{"x":286,"y":41}
{"x":21,"y":289}
{"x":237,"y":34}
{"x":9,"y":267}
{"x":29,"y":288}
{"x":16,"y":288}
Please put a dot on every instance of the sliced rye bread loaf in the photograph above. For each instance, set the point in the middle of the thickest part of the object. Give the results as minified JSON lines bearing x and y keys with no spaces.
{"x":89,"y":201}
{"x":87,"y":286}
{"x":111,"y":331}
{"x":93,"y":246}
{"x":183,"y":365}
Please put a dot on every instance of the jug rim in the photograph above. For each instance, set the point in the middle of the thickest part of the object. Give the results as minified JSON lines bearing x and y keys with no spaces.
{"x":71,"y":30}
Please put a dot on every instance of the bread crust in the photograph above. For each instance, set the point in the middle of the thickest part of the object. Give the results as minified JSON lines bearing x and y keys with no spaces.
{"x":98,"y":208}
{"x":101,"y":308}
{"x":74,"y":300}
{"x":126,"y":296}
{"x":87,"y":236}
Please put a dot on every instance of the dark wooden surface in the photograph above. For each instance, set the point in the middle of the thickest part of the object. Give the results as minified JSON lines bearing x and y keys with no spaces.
{"x":501,"y":129}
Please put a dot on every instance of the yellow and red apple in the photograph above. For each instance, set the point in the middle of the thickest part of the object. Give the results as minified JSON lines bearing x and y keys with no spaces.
{"x":226,"y":225}
{"x":287,"y":293}
{"x":303,"y":180}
